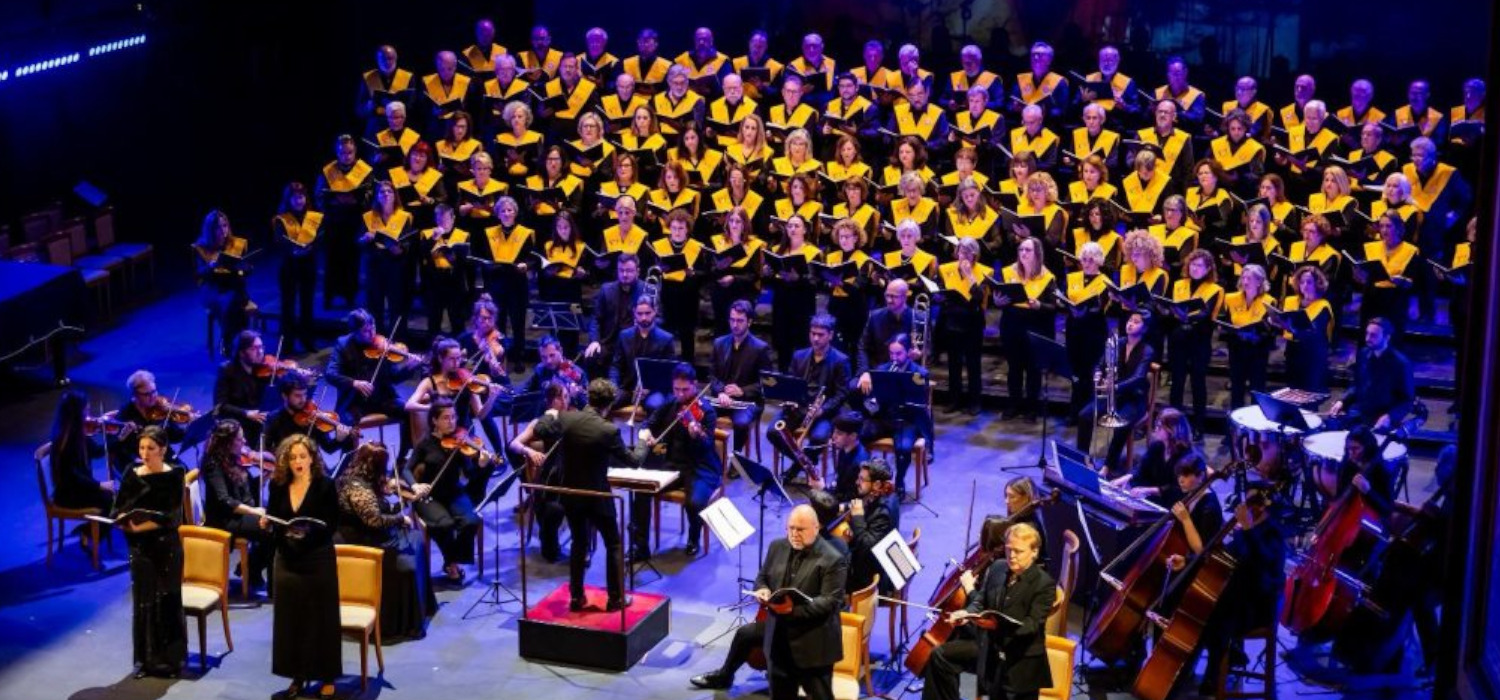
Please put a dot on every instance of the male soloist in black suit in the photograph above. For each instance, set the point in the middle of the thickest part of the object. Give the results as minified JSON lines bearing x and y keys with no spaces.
{"x":589,"y":441}
{"x":802,"y":645}
{"x":1012,"y":658}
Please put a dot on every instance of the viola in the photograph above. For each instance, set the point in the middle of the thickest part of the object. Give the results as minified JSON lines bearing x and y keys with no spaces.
{"x":570,"y":372}
{"x":107,"y":423}
{"x":165,"y":411}
{"x":273,"y":368}
{"x":464,"y":380}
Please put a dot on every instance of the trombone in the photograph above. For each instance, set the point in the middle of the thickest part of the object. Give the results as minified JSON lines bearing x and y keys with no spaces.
{"x":1105,"y":385}
{"x":651,"y":286}
{"x":921,"y":322}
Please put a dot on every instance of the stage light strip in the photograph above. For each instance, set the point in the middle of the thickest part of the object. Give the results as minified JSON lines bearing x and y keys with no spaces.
{"x":24,"y":70}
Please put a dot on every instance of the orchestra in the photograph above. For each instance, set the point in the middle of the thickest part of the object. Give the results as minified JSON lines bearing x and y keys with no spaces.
{"x":794,"y":201}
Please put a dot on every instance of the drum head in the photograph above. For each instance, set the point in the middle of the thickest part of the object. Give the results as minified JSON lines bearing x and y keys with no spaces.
{"x":1329,"y":445}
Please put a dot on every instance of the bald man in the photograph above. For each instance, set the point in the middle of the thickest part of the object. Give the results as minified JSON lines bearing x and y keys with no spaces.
{"x":446,"y":92}
{"x":802,"y":645}
{"x":884,"y":324}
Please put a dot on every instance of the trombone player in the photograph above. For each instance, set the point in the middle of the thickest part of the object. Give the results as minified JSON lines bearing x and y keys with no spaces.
{"x":1120,"y":383}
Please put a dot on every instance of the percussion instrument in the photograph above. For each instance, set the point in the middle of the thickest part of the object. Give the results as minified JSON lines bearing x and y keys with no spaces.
{"x":1325,"y":452}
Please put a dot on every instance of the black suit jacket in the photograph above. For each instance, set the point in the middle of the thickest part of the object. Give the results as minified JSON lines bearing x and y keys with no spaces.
{"x":832,"y":374}
{"x":1019,"y":653}
{"x":867,"y":530}
{"x":630,"y":346}
{"x":740,"y":366}
{"x":695,"y":458}
{"x":1382,"y":386}
{"x":348,"y":364}
{"x":1133,"y":370}
{"x":237,"y":392}
{"x":612,"y":313}
{"x":589,"y":443}
{"x":811,"y":630}
{"x":879,"y":329}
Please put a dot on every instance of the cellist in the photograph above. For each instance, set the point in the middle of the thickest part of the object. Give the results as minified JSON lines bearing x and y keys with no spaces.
{"x":1253,"y":595}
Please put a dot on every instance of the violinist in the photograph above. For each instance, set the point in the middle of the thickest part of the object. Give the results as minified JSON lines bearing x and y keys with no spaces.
{"x":220,"y":274}
{"x":1011,"y":659}
{"x":735,"y":368}
{"x":873,"y":514}
{"x":473,"y":397}
{"x":231,"y":501}
{"x":687,"y":448}
{"x":71,"y":459}
{"x":370,"y":517}
{"x":437,"y":467}
{"x":299,"y":415}
{"x":240,"y":388}
{"x":542,"y":468}
{"x":849,"y":454}
{"x":362,"y":369}
{"x":482,"y":343}
{"x":555,"y":367}
{"x":145,"y":407}
{"x":833,"y":518}
{"x":1132,"y":367}
{"x":903,"y":423}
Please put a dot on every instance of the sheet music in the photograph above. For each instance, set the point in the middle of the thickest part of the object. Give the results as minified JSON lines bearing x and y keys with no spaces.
{"x":652,"y":480}
{"x":896,"y":559}
{"x":727,"y":523}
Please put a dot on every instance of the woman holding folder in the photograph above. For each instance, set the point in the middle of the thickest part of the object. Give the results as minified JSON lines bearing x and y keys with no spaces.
{"x":1086,"y":327}
{"x":1307,"y":319}
{"x":1387,"y":295}
{"x":962,"y":323}
{"x":792,"y":289}
{"x":1195,"y":303}
{"x":148,"y":510}
{"x":847,"y":301}
{"x":1248,"y":338}
{"x":736,"y":273}
{"x":1026,"y":297}
{"x":302,"y":512}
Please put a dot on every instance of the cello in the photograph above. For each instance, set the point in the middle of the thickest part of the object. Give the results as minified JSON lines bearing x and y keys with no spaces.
{"x":1326,"y":584}
{"x":1175,"y":650}
{"x":950,"y":596}
{"x":1109,"y":635}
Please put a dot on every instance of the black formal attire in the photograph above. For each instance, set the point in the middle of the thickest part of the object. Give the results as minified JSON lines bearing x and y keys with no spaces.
{"x":961,"y":322}
{"x":695,"y":459}
{"x":802,"y":646}
{"x":237,"y":393}
{"x":614,"y":308}
{"x":874,"y":342}
{"x":71,"y":462}
{"x":295,"y":280}
{"x":1158,"y":469}
{"x":1012,"y":660}
{"x":846,"y":466}
{"x":1382,"y":386}
{"x":1131,"y":385}
{"x":448,"y":511}
{"x":125,"y":451}
{"x":1023,"y":379}
{"x":222,"y":291}
{"x":1382,"y":492}
{"x":903,"y":424}
{"x":228,"y":486}
{"x":342,"y":221}
{"x":347,"y":365}
{"x":158,"y":628}
{"x":546,"y":507}
{"x":1192,"y":348}
{"x":1253,"y":596}
{"x":306,"y":641}
{"x":282,"y":424}
{"x":795,"y":302}
{"x":630,"y":346}
{"x":371,"y":520}
{"x":830,"y":374}
{"x":882,"y":516}
{"x":588,"y":442}
{"x":740,"y":364}
{"x":1086,"y":333}
{"x":542,"y":374}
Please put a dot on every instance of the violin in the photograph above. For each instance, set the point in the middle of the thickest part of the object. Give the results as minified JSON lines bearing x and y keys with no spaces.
{"x":469,"y":446}
{"x":107,"y":423}
{"x":249,"y":458}
{"x":324,"y":421}
{"x":474,"y":383}
{"x":165,"y":411}
{"x":839,"y":527}
{"x":382,"y":347}
{"x":570,"y":372}
{"x":273,"y":368}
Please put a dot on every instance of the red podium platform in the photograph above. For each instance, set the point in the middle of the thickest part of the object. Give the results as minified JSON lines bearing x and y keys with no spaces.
{"x":592,"y":638}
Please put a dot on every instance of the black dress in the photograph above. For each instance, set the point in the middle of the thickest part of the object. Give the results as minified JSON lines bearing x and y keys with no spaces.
{"x":159,"y":630}
{"x":306,"y":642}
{"x":406,"y":597}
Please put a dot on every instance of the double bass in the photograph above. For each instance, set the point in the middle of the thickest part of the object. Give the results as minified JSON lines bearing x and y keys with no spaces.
{"x":1110,"y":634}
{"x":950,"y":595}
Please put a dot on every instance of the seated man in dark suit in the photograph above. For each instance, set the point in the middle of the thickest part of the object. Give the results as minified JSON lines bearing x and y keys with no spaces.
{"x":1381,"y":394}
{"x":848,"y":456}
{"x":642,"y":341}
{"x":367,"y":386}
{"x":239,"y":394}
{"x":1012,"y":658}
{"x":687,"y":449}
{"x":827,"y":372}
{"x":803,"y":643}
{"x":738,"y":359}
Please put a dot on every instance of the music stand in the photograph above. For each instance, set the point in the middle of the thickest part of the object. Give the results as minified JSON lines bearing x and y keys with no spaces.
{"x":197,"y":431}
{"x":557,"y":316}
{"x":1287,"y":415}
{"x":766,"y":483}
{"x":729,"y":525}
{"x":900,"y":392}
{"x":785,"y":388}
{"x":655,"y":375}
{"x":1050,"y":357}
{"x":524,"y":407}
{"x":492,"y":595}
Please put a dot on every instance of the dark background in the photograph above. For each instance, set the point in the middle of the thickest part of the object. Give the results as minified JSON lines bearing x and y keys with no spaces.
{"x":227,"y":101}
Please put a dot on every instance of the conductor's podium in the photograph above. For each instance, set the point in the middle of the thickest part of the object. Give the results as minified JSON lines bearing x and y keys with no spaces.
{"x":593,"y":638}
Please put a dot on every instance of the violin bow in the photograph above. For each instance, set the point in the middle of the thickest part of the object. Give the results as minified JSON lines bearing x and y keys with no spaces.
{"x":388,"y":340}
{"x":683,"y":413}
{"x":969,"y":519}
{"x":170,"y":406}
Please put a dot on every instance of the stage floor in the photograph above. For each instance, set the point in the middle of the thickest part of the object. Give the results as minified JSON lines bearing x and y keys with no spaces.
{"x":67,"y":628}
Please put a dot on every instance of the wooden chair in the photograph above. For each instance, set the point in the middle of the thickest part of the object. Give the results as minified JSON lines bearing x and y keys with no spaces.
{"x":847,"y":671}
{"x":205,"y":581}
{"x":895,"y":609}
{"x":862,"y":603}
{"x":1067,"y":579}
{"x":136,"y":254}
{"x":192,"y":513}
{"x":1061,"y":655}
{"x":919,"y":462}
{"x":726,"y":423}
{"x":60,"y":252}
{"x":1153,"y":379}
{"x":60,"y":515}
{"x":1266,"y":676}
{"x":679,"y":496}
{"x":359,"y":602}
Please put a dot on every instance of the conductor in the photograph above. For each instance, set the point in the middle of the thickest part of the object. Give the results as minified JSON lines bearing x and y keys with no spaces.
{"x":588,"y":442}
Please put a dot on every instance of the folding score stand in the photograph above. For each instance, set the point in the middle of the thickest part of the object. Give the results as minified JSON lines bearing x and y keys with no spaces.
{"x":493,"y":595}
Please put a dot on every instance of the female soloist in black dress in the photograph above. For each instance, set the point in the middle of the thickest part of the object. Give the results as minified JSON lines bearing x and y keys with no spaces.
{"x":159,"y":630}
{"x":305,"y":636}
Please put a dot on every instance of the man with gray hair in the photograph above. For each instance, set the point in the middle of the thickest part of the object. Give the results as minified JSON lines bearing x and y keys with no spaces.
{"x":972,"y":75}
